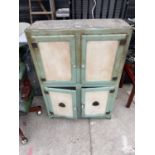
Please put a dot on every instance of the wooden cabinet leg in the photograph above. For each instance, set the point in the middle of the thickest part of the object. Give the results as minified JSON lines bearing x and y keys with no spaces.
{"x":24,"y":140}
{"x":131,"y":97}
{"x":21,"y":134}
{"x":122,"y":80}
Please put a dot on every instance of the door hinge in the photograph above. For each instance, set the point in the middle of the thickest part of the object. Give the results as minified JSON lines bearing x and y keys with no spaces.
{"x":114,"y":78}
{"x":46,"y":92}
{"x":43,"y":79}
{"x":123,"y":42}
{"x":34,"y":45}
{"x":112,"y":91}
{"x":108,"y":112}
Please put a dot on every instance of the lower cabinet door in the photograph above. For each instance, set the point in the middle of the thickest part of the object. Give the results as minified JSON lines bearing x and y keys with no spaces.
{"x":61,"y":102}
{"x":96,"y":102}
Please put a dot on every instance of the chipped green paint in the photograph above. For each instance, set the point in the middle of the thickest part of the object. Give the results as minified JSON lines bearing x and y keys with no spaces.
{"x":77,"y":38}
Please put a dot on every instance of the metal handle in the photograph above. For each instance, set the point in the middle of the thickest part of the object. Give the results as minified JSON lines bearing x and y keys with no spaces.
{"x":95,"y":103}
{"x":61,"y":104}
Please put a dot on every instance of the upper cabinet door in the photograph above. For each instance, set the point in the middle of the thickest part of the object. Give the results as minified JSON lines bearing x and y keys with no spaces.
{"x":101,"y":56}
{"x":55,"y":56}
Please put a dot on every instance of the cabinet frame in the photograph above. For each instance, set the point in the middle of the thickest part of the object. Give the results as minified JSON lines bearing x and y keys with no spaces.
{"x":77,"y":32}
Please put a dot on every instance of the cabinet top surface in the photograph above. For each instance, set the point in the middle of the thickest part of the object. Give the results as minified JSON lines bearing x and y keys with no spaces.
{"x":79,"y":24}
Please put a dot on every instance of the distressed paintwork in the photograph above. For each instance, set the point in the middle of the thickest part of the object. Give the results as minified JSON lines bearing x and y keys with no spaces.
{"x":61,"y":38}
{"x":65,"y":91}
{"x":97,"y":28}
{"x":114,"y":37}
{"x":79,"y":24}
{"x":99,"y":89}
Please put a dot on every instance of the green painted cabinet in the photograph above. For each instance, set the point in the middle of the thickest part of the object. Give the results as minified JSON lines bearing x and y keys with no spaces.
{"x":79,"y":64}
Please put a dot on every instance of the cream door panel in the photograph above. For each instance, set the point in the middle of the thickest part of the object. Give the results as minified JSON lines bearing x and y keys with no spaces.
{"x":96,"y":102}
{"x":100,"y":58}
{"x":56,"y":59}
{"x":62,"y":104}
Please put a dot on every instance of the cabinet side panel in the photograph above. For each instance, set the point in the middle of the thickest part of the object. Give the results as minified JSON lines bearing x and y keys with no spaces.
{"x":56,"y":58}
{"x":100,"y":58}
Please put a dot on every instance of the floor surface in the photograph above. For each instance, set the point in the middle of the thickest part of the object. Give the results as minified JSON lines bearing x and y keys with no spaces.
{"x":83,"y":136}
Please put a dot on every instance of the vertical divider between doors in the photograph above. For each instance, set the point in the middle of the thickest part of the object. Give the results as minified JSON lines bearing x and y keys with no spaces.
{"x":78,"y":72}
{"x":83,"y":60}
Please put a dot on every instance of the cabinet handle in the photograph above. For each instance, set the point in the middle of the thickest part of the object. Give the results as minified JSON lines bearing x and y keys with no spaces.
{"x":95,"y":103}
{"x":62,"y":105}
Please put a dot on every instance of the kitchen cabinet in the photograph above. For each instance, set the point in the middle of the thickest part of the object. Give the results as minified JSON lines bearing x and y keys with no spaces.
{"x":79,"y":64}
